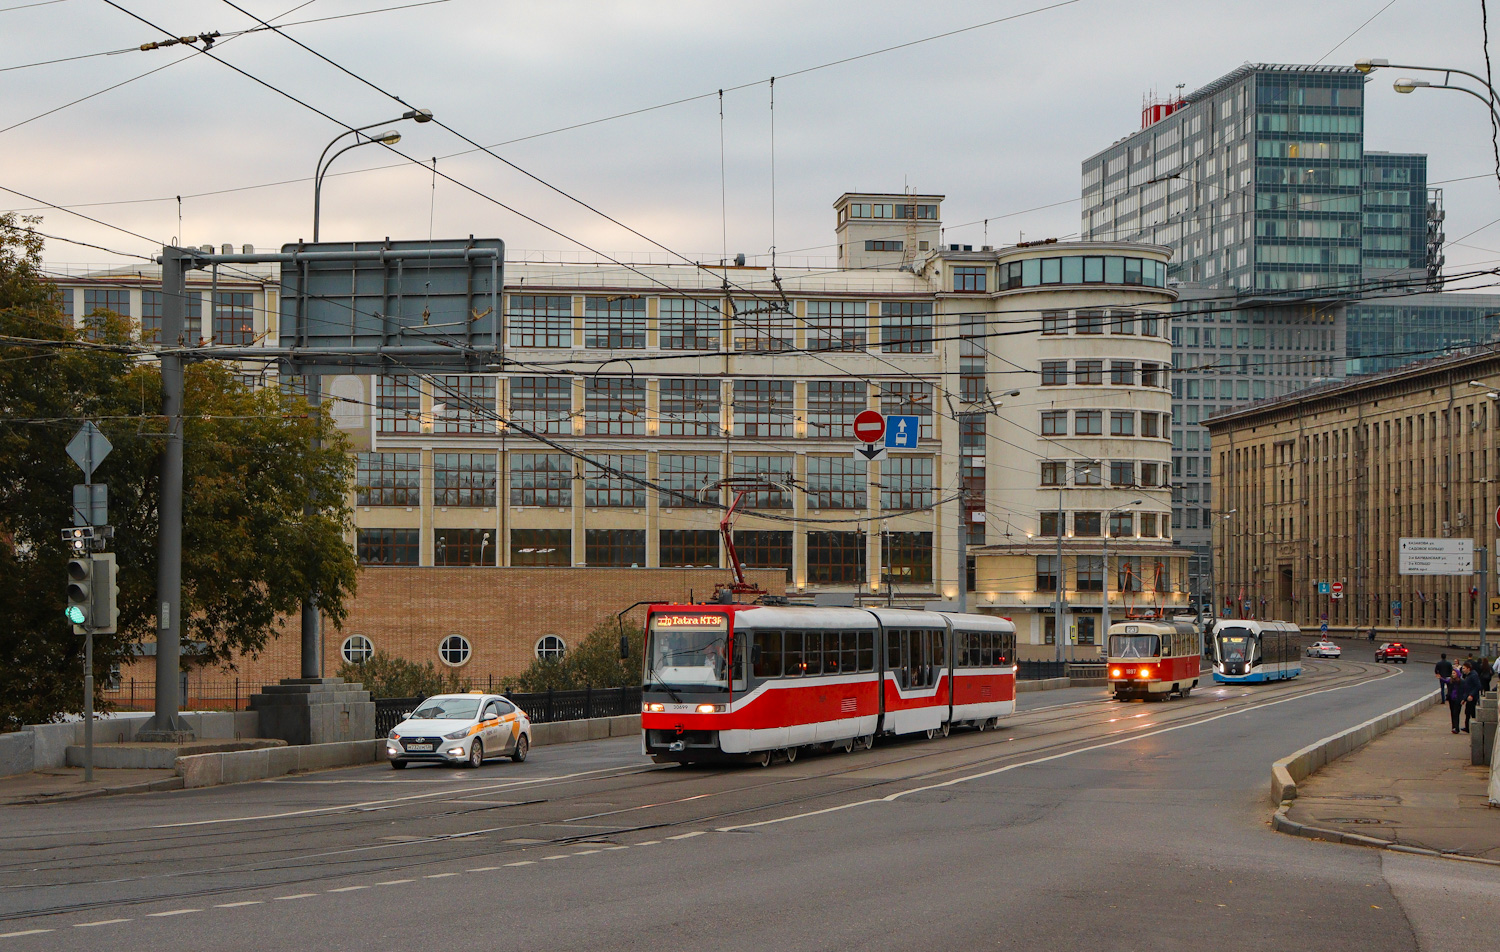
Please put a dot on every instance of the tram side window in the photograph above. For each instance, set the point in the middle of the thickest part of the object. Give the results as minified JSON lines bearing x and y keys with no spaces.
{"x":893,"y":650}
{"x":768,"y":648}
{"x":987,"y":651}
{"x":963,"y":649}
{"x":867,"y":651}
{"x":921,"y":658}
{"x":939,"y":650}
{"x":849,"y":656}
{"x":793,"y":643}
{"x":1007,"y":647}
{"x":812,"y":652}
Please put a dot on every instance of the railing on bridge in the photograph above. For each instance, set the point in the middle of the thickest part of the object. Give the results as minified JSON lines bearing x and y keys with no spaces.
{"x":543,"y":707}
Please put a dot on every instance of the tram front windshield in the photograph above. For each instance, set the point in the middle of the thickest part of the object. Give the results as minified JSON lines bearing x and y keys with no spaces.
{"x":686,"y":652}
{"x":1133,"y":646}
{"x":1235,"y":644}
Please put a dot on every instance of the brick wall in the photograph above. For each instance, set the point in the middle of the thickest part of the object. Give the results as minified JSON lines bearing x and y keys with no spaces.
{"x":407,"y":612}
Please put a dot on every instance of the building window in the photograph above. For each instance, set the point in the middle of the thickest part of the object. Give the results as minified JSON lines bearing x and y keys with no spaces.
{"x":1128,"y":570}
{"x":906,"y":327}
{"x":832,"y":406}
{"x":399,"y":404}
{"x":1087,"y":525}
{"x":762,"y":326}
{"x":388,"y":479}
{"x":1054,"y":322}
{"x":614,"y":406}
{"x":689,"y":324}
{"x":685,"y":481}
{"x":834,"y":558}
{"x":1122,"y":372}
{"x":1089,"y":322}
{"x":541,"y":320}
{"x":836,"y":325}
{"x":1151,"y":375}
{"x":151,"y":308}
{"x":968,"y":278}
{"x":1054,"y":473}
{"x":542,"y":404}
{"x":234,"y":317}
{"x":455,"y":650}
{"x":463,"y":404}
{"x":1054,"y":422}
{"x":1122,"y":472}
{"x":608,"y":483}
{"x":689,"y":407}
{"x":1089,"y":372}
{"x":775,"y":470}
{"x":1121,"y":524}
{"x":1090,"y":573}
{"x":388,"y":546}
{"x":1054,"y":373}
{"x":357,"y":649}
{"x":550,"y":648}
{"x":1085,"y":625}
{"x":1088,"y":423}
{"x":836,"y":482}
{"x":1148,"y":525}
{"x":763,"y":408}
{"x":463,"y":479}
{"x":541,"y":547}
{"x":1148,"y":425}
{"x":1046,"y":573}
{"x":614,"y":323}
{"x":114,"y":300}
{"x":766,"y":549}
{"x":688,"y":547}
{"x":462,"y":547}
{"x":884,"y":245}
{"x":1051,"y":524}
{"x":908,"y":557}
{"x":1087,"y":473}
{"x":1163,"y":575}
{"x":1122,"y":322}
{"x":617,"y":547}
{"x":908,"y":398}
{"x":906,"y":482}
{"x":1122,"y":423}
{"x":541,"y":479}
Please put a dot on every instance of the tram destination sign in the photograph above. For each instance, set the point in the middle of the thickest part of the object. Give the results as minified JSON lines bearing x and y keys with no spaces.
{"x":1436,"y":557}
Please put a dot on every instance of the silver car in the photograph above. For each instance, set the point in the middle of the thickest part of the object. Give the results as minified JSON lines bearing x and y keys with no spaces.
{"x":460,"y":729}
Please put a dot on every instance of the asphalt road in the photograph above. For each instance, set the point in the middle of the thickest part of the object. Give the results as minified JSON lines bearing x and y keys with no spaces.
{"x":1082,"y":823}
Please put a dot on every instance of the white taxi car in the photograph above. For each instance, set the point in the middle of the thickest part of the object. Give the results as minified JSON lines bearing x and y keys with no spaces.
{"x":1324,"y":649}
{"x":460,"y":729}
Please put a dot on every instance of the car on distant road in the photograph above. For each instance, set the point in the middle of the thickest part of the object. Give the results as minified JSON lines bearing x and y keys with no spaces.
{"x":1324,"y":649}
{"x":1391,"y":652}
{"x":460,"y":729}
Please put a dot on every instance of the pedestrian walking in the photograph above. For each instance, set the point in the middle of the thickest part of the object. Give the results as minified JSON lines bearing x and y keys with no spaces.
{"x":1469,"y":689}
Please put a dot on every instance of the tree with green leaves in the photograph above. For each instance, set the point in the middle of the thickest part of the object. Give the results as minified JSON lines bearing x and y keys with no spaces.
{"x":385,"y":675}
{"x":249,"y":551}
{"x":593,"y":662}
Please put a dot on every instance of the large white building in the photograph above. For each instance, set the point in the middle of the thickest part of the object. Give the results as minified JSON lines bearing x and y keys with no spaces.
{"x":1038,"y":374}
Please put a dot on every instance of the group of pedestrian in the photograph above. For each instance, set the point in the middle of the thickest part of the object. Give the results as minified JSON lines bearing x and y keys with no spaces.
{"x":1461,"y":686}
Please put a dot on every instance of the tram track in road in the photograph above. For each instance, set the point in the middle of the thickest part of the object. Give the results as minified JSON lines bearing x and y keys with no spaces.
{"x":660,"y":814}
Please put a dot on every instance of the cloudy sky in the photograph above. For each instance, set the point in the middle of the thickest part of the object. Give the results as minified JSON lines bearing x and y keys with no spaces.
{"x":995,"y":117}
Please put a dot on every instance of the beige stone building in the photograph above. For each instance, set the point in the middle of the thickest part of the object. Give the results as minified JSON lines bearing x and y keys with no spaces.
{"x":1319,"y":487}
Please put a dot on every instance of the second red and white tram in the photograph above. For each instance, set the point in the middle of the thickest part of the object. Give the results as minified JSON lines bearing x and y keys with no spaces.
{"x":749,"y":682}
{"x":1153,"y":659}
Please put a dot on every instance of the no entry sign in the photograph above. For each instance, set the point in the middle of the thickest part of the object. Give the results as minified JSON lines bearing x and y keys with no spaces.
{"x":869,"y":426}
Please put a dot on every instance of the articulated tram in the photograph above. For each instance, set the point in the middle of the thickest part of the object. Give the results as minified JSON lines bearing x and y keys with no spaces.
{"x":1153,"y":659}
{"x":752,"y":682}
{"x":1247,"y":650}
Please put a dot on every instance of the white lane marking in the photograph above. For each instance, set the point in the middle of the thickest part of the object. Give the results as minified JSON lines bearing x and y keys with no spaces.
{"x":348,"y":889}
{"x":101,"y":922}
{"x":483,"y":869}
{"x":649,"y":843}
{"x":524,"y":862}
{"x":439,"y":875}
{"x":685,"y":836}
{"x":172,"y":912}
{"x":558,"y":856}
{"x":395,"y":882}
{"x":12,"y":935}
{"x":236,"y":905}
{"x":586,"y":852}
{"x":617,"y":847}
{"x":293,"y":896}
{"x":1042,"y":760}
{"x":532,"y":781}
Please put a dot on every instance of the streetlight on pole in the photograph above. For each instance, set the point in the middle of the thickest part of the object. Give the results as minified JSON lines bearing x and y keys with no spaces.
{"x":1105,"y":611}
{"x":389,"y":137}
{"x":1406,"y":86}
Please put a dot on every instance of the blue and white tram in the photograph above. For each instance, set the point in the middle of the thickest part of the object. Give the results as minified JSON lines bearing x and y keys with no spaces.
{"x":1247,"y":650}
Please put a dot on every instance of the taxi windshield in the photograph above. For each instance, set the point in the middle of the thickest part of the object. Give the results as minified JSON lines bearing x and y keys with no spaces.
{"x":686,"y":652}
{"x":1234,"y":647}
{"x":447,"y":709}
{"x":1132,"y":646}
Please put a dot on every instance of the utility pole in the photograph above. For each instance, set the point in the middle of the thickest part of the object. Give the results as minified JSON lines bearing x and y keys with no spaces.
{"x":1484,"y":600}
{"x":312,"y":619}
{"x":1058,"y":631}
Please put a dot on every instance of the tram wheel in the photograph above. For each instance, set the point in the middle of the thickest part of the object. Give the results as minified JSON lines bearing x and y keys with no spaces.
{"x":981,"y":725}
{"x":846,"y":745}
{"x":1187,"y":690}
{"x":867,"y":741}
{"x":946,"y":728}
{"x":791,"y":754}
{"x":931,"y":733}
{"x":764,"y":759}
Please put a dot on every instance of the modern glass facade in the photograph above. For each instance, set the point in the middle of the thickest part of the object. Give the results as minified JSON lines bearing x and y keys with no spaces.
{"x":1383,"y":335}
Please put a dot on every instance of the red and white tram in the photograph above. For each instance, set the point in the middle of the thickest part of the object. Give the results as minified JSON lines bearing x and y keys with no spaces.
{"x":748,"y":682}
{"x":1153,"y":659}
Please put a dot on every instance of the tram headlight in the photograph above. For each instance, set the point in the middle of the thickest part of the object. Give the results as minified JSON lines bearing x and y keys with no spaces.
{"x":653,"y":707}
{"x":712,"y":708}
{"x":1115,"y":672}
{"x":1144,"y":673}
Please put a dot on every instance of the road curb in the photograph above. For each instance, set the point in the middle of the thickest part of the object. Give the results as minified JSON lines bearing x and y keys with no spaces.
{"x":1288,"y":770}
{"x":1281,"y":823}
{"x":149,"y":786}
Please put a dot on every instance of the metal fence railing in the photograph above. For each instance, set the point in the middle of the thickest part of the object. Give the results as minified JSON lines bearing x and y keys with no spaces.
{"x":1040,"y":670}
{"x":543,"y":707}
{"x":194,"y":693}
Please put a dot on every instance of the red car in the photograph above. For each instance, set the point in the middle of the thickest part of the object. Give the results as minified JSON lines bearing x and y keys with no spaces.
{"x":1391,"y":651}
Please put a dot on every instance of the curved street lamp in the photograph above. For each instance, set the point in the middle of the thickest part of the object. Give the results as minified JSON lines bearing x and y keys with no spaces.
{"x":388,"y":137}
{"x":1407,"y":86}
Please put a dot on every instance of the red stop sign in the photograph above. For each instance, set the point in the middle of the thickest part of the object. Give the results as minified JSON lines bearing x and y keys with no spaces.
{"x":1338,"y":586}
{"x":869,"y":426}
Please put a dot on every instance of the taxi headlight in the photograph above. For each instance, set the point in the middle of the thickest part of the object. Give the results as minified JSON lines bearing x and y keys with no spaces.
{"x":393,"y":736}
{"x":458,"y":734}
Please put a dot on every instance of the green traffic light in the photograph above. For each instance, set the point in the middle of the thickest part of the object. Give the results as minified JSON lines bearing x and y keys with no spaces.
{"x":74,"y":614}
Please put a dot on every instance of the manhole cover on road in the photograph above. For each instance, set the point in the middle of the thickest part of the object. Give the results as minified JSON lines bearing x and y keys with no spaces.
{"x":1357,"y":820}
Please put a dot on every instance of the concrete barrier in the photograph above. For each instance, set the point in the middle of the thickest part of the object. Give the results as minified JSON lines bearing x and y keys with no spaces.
{"x":1045,"y":684}
{"x":1286,"y":772}
{"x":240,"y":766}
{"x":595,"y":728}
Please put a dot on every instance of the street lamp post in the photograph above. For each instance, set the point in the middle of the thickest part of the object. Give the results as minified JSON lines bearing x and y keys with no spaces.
{"x":1104,"y":613}
{"x":389,"y":137}
{"x":1407,"y":86}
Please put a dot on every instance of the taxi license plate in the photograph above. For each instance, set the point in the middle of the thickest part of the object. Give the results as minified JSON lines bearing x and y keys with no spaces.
{"x":419,"y":747}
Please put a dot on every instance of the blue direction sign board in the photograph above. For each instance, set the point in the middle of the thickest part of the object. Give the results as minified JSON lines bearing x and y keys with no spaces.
{"x":1323,"y":628}
{"x":901,"y":432}
{"x":1322,"y":588}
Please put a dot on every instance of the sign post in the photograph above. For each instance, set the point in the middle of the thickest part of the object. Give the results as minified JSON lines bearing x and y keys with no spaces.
{"x":1436,"y":556}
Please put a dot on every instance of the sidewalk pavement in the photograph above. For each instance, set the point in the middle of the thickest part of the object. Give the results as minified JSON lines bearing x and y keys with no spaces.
{"x":1413,"y":787}
{"x":55,"y":784}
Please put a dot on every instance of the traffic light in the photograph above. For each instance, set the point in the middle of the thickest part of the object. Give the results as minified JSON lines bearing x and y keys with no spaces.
{"x":80,"y":607}
{"x":105,"y":615}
